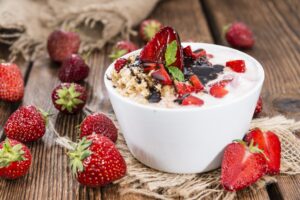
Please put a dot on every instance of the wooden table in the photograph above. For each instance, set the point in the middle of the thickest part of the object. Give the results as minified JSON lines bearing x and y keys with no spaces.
{"x":276,"y":27}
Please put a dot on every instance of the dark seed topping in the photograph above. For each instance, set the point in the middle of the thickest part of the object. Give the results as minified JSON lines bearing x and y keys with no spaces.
{"x":154,"y":96}
{"x":207,"y":73}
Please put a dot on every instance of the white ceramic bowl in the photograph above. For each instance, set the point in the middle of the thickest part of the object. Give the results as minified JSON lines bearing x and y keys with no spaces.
{"x":185,"y":140}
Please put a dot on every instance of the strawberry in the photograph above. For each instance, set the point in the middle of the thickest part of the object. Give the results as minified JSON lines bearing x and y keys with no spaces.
{"x":15,"y":159}
{"x":11,"y":82}
{"x":237,"y":65}
{"x":187,"y":52}
{"x":69,"y":98}
{"x":147,"y":67}
{"x":242,"y":165}
{"x":218,"y":89}
{"x":192,"y":100}
{"x":121,"y":48}
{"x":73,"y":69}
{"x":95,"y":161}
{"x":270,"y":144}
{"x":198,"y":86}
{"x":149,"y":28}
{"x":99,"y":123}
{"x":155,"y":50}
{"x":239,"y":35}
{"x":26,"y":124}
{"x":183,"y":88}
{"x":259,"y":107}
{"x":162,"y":76}
{"x":62,"y":44}
{"x":120,"y":63}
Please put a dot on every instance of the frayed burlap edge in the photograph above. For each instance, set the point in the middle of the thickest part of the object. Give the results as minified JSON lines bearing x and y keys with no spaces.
{"x":145,"y":181}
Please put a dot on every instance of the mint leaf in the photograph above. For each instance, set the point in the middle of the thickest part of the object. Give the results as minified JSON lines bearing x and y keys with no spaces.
{"x":170,"y":55}
{"x":176,"y":73}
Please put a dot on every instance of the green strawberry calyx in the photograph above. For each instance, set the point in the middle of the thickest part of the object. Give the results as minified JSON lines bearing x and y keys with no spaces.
{"x":9,"y":154}
{"x":81,"y":151}
{"x":253,"y":148}
{"x":68,"y":98}
{"x":117,"y":53}
{"x":151,"y":29}
{"x":45,"y":115}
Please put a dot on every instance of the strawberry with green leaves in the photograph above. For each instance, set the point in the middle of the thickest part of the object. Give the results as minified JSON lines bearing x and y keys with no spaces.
{"x":121,"y":48}
{"x":11,"y":82}
{"x":69,"y":98}
{"x":27,"y":124}
{"x":149,"y":28}
{"x":95,"y":161}
{"x":15,"y":159}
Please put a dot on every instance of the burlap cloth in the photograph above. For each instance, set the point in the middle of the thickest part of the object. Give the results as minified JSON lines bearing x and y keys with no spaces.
{"x":146,"y":181}
{"x":25,"y":24}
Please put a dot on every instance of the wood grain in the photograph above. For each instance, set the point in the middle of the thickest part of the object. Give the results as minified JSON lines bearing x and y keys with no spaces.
{"x":277,"y":48}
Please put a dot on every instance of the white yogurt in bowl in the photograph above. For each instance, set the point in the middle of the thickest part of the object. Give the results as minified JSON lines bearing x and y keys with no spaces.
{"x":189,"y":139}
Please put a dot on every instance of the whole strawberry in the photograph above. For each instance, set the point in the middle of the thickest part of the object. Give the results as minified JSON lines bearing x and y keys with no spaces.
{"x":95,"y":161}
{"x":242,"y":165}
{"x":73,"y":69}
{"x":11,"y":82}
{"x":26,"y":124}
{"x":69,"y":98}
{"x":122,"y":48}
{"x":149,"y":28}
{"x":99,"y":123}
{"x":259,"y":107}
{"x":15,"y":159}
{"x":270,"y":144}
{"x":239,"y":35}
{"x":61,"y":44}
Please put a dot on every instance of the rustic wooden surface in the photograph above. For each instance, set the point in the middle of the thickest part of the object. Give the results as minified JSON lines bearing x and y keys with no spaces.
{"x":276,"y":27}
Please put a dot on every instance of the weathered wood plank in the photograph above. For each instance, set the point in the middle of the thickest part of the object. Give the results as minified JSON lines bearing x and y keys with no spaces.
{"x":277,"y":48}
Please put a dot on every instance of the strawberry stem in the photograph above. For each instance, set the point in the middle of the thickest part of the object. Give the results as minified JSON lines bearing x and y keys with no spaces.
{"x":9,"y":154}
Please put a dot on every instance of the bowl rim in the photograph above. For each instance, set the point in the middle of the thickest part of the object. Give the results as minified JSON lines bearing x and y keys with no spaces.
{"x":257,"y":86}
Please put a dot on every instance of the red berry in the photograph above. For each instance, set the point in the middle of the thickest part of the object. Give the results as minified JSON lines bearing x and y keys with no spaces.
{"x":192,"y":100}
{"x":96,"y":161}
{"x":122,"y":48}
{"x":15,"y":159}
{"x":11,"y":82}
{"x":259,"y":107}
{"x":270,"y":144}
{"x":69,"y":98}
{"x":26,"y":124}
{"x":218,"y":89}
{"x":120,"y":63}
{"x":198,"y":86}
{"x":73,"y":69}
{"x":162,"y":76}
{"x":239,"y":35}
{"x":62,"y":44}
{"x":242,"y":166}
{"x":183,"y":88}
{"x":154,"y":51}
{"x":99,"y":123}
{"x":237,"y":65}
{"x":149,"y":28}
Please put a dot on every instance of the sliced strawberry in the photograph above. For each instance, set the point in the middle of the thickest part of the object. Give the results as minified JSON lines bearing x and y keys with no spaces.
{"x":270,"y":144}
{"x":183,"y":88}
{"x":242,"y":166}
{"x":198,"y":86}
{"x":155,"y":49}
{"x":162,"y":75}
{"x":149,"y":66}
{"x":120,"y":63}
{"x":192,"y":100}
{"x":218,"y":89}
{"x":199,"y":53}
{"x":237,"y":65}
{"x":187,"y":52}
